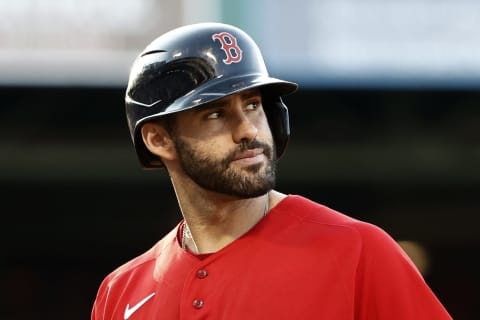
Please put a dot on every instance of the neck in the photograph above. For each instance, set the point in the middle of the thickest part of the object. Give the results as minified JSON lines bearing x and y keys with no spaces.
{"x":210,"y":230}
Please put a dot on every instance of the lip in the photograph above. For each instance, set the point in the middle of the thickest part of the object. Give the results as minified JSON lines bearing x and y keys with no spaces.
{"x":249,"y":157}
{"x":252,"y":153}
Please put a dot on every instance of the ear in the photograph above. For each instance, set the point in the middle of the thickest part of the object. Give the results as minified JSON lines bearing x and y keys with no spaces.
{"x":158,"y":141}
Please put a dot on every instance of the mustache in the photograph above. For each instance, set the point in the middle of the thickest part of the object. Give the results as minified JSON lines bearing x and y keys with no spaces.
{"x":254,"y":144}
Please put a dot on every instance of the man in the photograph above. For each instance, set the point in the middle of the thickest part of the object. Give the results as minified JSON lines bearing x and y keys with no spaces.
{"x":201,"y":104}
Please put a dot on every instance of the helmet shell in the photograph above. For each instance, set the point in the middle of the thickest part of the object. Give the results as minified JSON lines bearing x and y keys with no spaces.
{"x":193,"y":65}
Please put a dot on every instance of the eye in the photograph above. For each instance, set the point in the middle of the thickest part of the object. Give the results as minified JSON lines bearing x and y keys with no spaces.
{"x":214,"y":115}
{"x":253,"y":106}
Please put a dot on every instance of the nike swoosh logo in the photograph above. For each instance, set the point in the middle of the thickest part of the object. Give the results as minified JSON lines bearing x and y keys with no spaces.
{"x":129,"y":311}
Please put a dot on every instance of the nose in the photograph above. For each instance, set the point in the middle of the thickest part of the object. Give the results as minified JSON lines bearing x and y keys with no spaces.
{"x":244,"y":130}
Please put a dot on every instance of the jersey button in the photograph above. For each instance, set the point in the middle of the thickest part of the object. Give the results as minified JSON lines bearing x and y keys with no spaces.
{"x":198,"y":303}
{"x":202,"y":273}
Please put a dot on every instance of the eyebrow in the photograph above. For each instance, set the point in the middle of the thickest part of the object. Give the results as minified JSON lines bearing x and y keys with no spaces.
{"x":250,"y":93}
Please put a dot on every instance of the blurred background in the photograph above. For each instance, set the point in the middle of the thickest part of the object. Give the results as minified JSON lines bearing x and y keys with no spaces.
{"x":385,"y":128}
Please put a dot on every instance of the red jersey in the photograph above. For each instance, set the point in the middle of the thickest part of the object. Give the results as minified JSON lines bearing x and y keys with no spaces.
{"x":302,"y":261}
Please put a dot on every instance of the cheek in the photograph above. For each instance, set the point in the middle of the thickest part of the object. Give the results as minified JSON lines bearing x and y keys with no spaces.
{"x":265,"y":132}
{"x":208,"y":147}
{"x":262,"y":121}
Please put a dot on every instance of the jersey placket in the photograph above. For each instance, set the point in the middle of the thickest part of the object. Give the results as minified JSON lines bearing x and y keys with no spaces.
{"x":195,"y":302}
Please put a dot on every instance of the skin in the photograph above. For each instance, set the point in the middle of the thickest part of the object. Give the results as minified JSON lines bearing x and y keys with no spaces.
{"x":233,"y":132}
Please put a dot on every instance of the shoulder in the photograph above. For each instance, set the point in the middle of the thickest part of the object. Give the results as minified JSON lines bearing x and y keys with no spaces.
{"x":308,"y":210}
{"x":143,"y":261}
{"x":320,"y":218}
{"x":322,"y":224}
{"x":127,"y":280}
{"x":381,"y":269}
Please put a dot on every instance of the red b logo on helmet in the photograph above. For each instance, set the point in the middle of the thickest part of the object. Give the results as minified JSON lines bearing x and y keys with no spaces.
{"x":229,"y":46}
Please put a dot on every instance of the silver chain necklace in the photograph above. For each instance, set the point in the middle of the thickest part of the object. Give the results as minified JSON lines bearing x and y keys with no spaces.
{"x":187,"y":234}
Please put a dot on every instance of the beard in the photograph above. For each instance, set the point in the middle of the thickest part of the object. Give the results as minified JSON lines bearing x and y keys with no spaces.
{"x":219,"y":176}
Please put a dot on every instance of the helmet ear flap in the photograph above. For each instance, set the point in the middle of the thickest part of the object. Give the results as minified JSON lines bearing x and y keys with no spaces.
{"x":278,"y":120}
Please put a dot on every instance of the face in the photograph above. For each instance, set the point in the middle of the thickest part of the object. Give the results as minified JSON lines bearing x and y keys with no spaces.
{"x":227,"y":146}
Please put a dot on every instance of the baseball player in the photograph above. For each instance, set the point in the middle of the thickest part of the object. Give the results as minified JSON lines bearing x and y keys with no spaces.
{"x":201,"y":105}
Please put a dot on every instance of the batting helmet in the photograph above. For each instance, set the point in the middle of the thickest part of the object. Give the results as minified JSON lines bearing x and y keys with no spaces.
{"x":196,"y":64}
